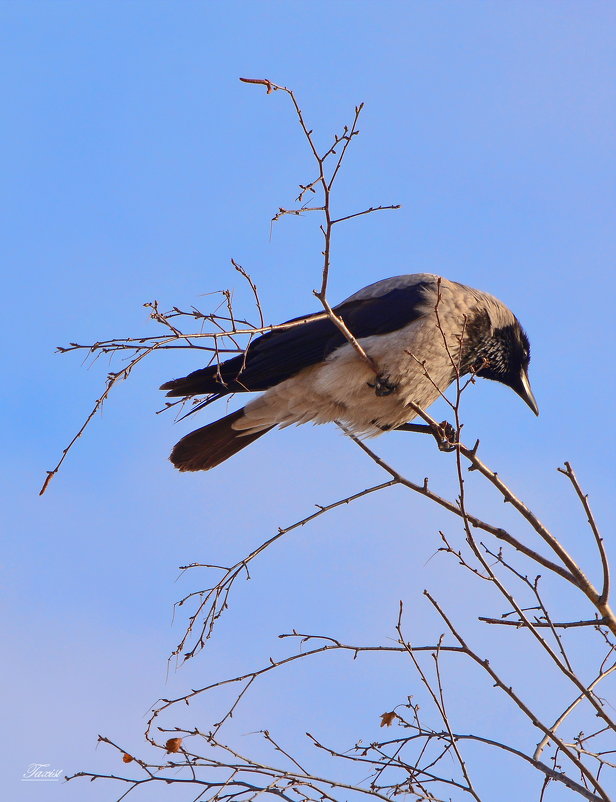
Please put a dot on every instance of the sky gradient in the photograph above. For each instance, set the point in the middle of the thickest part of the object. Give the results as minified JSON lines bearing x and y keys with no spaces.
{"x":135,"y":166}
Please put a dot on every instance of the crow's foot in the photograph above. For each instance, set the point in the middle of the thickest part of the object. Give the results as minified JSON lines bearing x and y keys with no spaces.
{"x":383,"y":386}
{"x":444,"y":433}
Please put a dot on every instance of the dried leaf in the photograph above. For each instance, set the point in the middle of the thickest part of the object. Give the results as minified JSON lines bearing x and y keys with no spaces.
{"x":387,"y":719}
{"x":126,"y":758}
{"x":173,"y":745}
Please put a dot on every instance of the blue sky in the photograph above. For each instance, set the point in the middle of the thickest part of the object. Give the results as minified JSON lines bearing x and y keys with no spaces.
{"x":135,"y":166}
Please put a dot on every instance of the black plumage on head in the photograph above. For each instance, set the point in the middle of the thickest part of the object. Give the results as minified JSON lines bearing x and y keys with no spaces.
{"x":502,"y":355}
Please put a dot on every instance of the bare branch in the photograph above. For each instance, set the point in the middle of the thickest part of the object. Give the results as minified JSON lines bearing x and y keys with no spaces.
{"x":583,"y":497}
{"x":214,"y":600}
{"x":424,"y":490}
{"x":532,"y":717}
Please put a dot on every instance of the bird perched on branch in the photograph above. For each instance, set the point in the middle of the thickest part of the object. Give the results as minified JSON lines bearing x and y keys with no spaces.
{"x":418,"y":334}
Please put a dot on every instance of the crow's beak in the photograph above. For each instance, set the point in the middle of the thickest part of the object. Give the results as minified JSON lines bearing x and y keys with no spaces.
{"x":522,"y":388}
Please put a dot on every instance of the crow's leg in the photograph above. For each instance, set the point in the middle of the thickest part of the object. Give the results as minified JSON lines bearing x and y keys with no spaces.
{"x":422,"y":428}
{"x":444,"y":433}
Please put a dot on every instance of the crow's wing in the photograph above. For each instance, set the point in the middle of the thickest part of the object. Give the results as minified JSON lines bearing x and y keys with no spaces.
{"x":280,"y":354}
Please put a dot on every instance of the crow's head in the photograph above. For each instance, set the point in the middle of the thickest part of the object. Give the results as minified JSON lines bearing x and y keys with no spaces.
{"x":503,"y":356}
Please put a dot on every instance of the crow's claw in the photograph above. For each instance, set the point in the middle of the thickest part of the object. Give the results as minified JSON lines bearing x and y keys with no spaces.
{"x":382,"y":386}
{"x":445,"y":435}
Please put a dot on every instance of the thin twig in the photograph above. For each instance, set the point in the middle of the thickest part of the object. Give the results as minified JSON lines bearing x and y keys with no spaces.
{"x":583,"y":497}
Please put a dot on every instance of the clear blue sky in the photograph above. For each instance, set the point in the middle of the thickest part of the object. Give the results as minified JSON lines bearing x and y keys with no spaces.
{"x":134,"y":166}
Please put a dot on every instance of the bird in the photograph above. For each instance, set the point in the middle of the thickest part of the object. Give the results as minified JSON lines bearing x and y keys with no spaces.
{"x":420,"y":330}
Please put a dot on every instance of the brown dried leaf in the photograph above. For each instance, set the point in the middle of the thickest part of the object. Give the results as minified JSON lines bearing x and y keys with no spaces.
{"x":387,"y":719}
{"x":173,"y":745}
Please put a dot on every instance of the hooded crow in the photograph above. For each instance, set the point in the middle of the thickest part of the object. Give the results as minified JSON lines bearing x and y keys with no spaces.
{"x":422,"y":331}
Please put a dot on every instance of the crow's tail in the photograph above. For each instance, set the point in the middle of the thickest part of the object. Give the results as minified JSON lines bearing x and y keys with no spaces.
{"x":212,"y":444}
